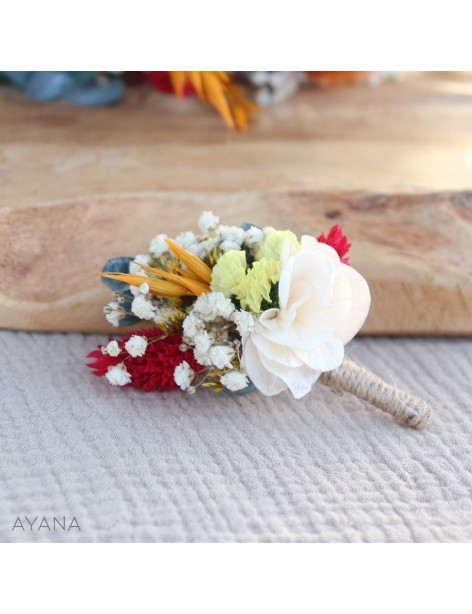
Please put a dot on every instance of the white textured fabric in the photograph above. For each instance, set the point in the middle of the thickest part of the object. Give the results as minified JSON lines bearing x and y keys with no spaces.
{"x":132,"y":466}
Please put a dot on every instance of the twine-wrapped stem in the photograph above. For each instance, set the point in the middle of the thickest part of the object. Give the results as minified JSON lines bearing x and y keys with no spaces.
{"x":360,"y":382}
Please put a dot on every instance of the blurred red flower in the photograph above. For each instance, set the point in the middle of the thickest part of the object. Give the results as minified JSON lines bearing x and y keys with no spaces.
{"x":338,"y":241}
{"x":161,"y":81}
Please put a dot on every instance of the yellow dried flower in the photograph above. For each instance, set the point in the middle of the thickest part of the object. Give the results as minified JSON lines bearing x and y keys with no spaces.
{"x":250,"y":286}
{"x":228,"y":272}
{"x":216,"y":88}
{"x":256,"y":285}
{"x":272,"y":245}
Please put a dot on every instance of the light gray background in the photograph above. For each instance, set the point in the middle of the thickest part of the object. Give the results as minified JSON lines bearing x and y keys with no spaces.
{"x":132,"y":466}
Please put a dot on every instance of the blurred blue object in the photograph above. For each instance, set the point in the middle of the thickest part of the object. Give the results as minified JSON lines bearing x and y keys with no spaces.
{"x":116,"y":265}
{"x":83,"y":88}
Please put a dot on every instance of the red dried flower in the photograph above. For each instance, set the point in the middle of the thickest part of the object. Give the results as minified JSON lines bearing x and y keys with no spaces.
{"x":338,"y":241}
{"x":155,"y":369}
{"x":161,"y":81}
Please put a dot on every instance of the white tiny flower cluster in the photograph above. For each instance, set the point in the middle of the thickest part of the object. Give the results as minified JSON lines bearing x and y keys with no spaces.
{"x":207,"y":329}
{"x":163,"y":314}
{"x":234,"y":380}
{"x":213,"y":305}
{"x":112,"y":349}
{"x":213,"y":235}
{"x":183,"y":375}
{"x":208,"y":222}
{"x":136,"y":290}
{"x":234,"y":237}
{"x":231,"y":237}
{"x":113,"y":313}
{"x":186,"y":239}
{"x":118,"y":375}
{"x":254,"y":236}
{"x":244,"y":321}
{"x":134,"y":267}
{"x":136,"y":346}
{"x":143,"y":308}
{"x":158,"y":246}
{"x":273,"y":86}
{"x":200,"y":245}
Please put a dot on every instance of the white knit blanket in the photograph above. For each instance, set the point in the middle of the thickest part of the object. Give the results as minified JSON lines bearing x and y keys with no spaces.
{"x":131,"y":466}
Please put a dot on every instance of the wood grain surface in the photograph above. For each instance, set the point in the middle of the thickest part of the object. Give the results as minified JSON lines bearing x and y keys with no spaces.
{"x":392,"y":164}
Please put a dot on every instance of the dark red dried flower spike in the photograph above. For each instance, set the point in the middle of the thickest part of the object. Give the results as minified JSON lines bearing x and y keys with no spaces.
{"x":338,"y":241}
{"x":154,"y":370}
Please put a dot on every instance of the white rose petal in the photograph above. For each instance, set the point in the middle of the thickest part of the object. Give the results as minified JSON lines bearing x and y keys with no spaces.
{"x":234,"y":380}
{"x":136,"y":346}
{"x":118,"y":375}
{"x":322,"y":305}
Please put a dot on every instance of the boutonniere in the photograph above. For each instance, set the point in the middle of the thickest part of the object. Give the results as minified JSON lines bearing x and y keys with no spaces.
{"x":239,"y":309}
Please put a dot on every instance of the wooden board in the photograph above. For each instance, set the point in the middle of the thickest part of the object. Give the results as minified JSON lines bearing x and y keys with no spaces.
{"x":78,"y":186}
{"x":415,"y":251}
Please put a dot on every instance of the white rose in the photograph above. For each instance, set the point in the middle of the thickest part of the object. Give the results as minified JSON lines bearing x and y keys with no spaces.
{"x":322,"y":305}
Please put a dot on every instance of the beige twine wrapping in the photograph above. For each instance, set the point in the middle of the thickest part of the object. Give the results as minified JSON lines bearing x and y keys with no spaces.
{"x":360,"y":382}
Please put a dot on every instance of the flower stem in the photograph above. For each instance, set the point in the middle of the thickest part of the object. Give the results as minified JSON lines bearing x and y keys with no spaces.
{"x":360,"y":382}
